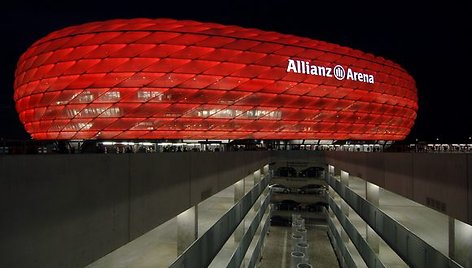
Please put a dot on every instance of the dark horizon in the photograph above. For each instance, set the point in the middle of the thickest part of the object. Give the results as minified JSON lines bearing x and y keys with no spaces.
{"x":427,"y":41}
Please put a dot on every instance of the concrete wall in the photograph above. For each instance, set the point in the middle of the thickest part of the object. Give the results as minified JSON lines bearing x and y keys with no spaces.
{"x":440,"y":181}
{"x":68,"y":210}
{"x":292,"y":156}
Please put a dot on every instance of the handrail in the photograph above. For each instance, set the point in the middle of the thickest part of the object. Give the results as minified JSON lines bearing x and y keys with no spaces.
{"x":203,"y":250}
{"x":412,"y":249}
{"x":346,"y":256}
{"x":258,"y":250}
{"x":366,"y":252}
{"x":238,"y":256}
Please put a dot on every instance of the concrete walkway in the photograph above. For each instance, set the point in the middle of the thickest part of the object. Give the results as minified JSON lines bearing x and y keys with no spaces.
{"x":276,"y":252}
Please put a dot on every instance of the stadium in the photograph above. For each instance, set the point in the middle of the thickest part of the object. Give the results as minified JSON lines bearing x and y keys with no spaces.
{"x":146,"y":79}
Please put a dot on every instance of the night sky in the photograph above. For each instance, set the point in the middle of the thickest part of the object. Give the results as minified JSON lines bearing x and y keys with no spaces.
{"x":427,"y":40}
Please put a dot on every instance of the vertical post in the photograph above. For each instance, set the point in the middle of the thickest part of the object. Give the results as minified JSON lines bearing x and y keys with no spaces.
{"x":372,"y":193}
{"x":344,"y":205}
{"x":239,"y":187}
{"x":187,"y":228}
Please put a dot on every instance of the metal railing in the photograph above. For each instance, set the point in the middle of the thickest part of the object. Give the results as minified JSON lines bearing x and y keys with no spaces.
{"x":340,"y":248}
{"x":203,"y":250}
{"x":238,"y":256}
{"x":412,"y":249}
{"x":366,"y":252}
{"x":258,"y":250}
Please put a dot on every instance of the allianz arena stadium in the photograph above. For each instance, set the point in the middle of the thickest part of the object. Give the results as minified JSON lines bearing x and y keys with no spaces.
{"x":171,"y":79}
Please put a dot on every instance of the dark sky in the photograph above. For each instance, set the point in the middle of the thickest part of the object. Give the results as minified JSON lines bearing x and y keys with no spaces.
{"x":427,"y":40}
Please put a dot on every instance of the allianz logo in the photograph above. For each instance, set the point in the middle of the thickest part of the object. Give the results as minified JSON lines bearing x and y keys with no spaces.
{"x":338,"y":72}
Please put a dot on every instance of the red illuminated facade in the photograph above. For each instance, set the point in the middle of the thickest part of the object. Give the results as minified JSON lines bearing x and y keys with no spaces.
{"x":169,"y":79}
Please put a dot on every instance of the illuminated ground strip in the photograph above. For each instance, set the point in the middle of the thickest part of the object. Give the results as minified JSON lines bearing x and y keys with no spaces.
{"x":168,"y":79}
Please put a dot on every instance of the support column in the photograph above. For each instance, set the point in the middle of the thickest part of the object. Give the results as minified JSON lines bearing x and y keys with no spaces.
{"x":257,"y":179}
{"x":372,"y":193}
{"x":257,"y":176}
{"x":331,"y":192}
{"x":187,"y":228}
{"x":239,"y":187}
{"x":330,"y":170}
{"x":452,"y":239}
{"x":266,"y":170}
{"x":345,"y":178}
{"x":344,"y":205}
{"x":238,"y":194}
{"x":249,"y":181}
{"x":257,"y":205}
{"x":460,"y":242}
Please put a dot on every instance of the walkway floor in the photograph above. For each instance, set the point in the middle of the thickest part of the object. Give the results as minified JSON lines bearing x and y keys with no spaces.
{"x":276,"y":252}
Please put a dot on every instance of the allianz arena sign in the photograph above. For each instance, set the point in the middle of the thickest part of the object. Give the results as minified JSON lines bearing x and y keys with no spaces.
{"x":338,"y":72}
